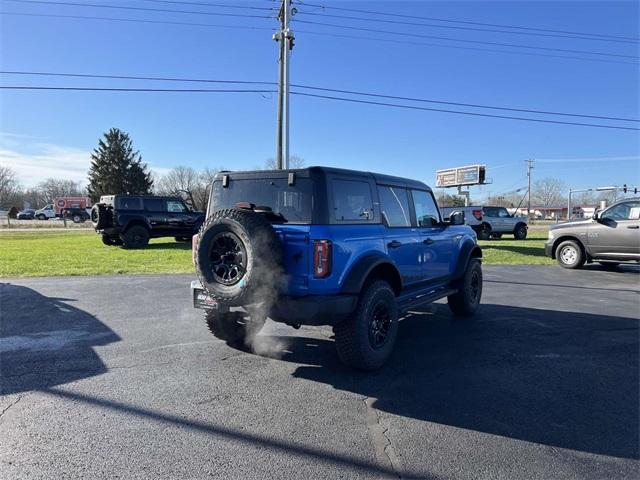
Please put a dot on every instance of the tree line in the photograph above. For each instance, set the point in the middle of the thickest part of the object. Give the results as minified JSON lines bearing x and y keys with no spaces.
{"x":116,"y":167}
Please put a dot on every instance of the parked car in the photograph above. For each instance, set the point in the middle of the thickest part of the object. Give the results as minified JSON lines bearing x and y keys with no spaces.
{"x":325,"y":246}
{"x":492,"y":222}
{"x":611,"y":236}
{"x":27,"y":214}
{"x":131,"y":220}
{"x":77,"y":215}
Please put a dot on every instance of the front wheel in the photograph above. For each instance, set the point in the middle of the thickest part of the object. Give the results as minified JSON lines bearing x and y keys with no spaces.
{"x":238,"y":329}
{"x":570,"y":255}
{"x":41,"y":217}
{"x":485,"y":232}
{"x":520,"y":232}
{"x":365,"y":340}
{"x":465,"y":301}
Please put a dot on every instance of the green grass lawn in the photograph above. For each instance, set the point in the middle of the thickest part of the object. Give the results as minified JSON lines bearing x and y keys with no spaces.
{"x":508,"y":251}
{"x":31,"y":254}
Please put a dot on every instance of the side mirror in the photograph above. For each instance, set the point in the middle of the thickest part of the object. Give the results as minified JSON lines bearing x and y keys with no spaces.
{"x":596,"y":216}
{"x":456,"y":218}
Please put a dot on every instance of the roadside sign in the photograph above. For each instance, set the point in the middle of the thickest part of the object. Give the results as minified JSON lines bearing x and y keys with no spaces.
{"x":453,"y":177}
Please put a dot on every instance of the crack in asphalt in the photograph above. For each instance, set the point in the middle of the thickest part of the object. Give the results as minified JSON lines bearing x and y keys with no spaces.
{"x":5,"y":410}
{"x":385,"y":453}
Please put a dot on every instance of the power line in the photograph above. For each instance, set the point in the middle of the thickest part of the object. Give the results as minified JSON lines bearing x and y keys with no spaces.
{"x":406,"y":42}
{"x":448,"y":20}
{"x":210,"y":4}
{"x":327,"y":97}
{"x":311,"y":87}
{"x":143,"y":9}
{"x":309,"y":32}
{"x":454,"y":27}
{"x":395,"y":105}
{"x":480,"y":42}
{"x":131,"y":20}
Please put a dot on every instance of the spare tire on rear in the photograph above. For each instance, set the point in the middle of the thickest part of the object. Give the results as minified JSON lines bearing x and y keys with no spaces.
{"x":239,"y":257}
{"x":100,"y":216}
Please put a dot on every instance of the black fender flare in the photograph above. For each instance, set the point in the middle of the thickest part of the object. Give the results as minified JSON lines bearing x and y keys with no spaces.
{"x":468,"y":251}
{"x":359,"y":273}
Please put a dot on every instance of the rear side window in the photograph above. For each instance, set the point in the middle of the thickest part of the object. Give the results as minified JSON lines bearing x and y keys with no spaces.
{"x":133,"y":203}
{"x":427,"y":213}
{"x":352,"y":200}
{"x":394,"y":203}
{"x":154,"y":205}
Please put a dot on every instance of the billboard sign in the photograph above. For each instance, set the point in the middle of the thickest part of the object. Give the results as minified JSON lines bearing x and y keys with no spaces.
{"x":453,"y":177}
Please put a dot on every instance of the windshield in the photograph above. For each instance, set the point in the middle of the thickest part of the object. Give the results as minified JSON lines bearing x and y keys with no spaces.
{"x":292,"y":202}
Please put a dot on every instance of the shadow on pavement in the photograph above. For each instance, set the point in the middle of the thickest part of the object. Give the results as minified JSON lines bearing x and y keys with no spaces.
{"x":562,"y":379}
{"x":45,"y":341}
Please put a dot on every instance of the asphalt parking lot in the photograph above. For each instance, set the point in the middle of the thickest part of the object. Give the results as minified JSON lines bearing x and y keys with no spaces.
{"x":117,"y":377}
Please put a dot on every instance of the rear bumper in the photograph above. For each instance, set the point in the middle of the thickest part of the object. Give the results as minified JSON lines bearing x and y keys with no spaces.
{"x":308,"y":310}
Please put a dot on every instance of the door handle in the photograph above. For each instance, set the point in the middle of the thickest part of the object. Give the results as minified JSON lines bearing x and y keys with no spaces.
{"x":634,"y":226}
{"x":428,"y":241}
{"x":394,"y":244}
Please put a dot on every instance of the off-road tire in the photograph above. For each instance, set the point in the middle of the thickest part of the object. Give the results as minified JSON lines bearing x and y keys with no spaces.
{"x":484,"y":233}
{"x":465,"y":301}
{"x":354,"y":343}
{"x":569,"y":254}
{"x":520,"y":232}
{"x":236,"y":328}
{"x":135,"y":236}
{"x":257,"y":260}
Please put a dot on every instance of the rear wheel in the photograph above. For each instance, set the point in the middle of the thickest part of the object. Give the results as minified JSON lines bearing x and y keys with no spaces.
{"x":365,"y":340}
{"x":135,"y":237}
{"x":570,"y":255}
{"x":465,"y":301}
{"x":485,"y":232}
{"x":236,"y":328}
{"x":77,"y":219}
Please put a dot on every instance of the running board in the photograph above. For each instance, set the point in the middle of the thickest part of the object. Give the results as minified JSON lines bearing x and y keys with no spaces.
{"x":423,"y":299}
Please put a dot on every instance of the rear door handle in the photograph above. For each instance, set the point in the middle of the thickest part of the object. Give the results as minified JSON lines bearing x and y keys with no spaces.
{"x":428,"y":241}
{"x":634,"y":226}
{"x":394,"y":244}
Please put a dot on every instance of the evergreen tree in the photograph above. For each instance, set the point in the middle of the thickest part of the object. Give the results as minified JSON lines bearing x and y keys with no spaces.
{"x":117,"y":168}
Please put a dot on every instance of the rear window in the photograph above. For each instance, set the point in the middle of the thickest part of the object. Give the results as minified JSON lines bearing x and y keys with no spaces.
{"x":133,"y":203}
{"x":293,"y":202}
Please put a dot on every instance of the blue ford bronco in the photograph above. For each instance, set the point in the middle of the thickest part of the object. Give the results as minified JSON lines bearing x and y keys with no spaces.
{"x":327,"y":246}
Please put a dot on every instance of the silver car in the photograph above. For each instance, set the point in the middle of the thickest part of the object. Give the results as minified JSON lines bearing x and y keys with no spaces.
{"x":610,"y":237}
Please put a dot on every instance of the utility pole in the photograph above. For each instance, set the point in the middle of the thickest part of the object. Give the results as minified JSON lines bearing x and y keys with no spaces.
{"x":285,"y":39}
{"x":529,"y":168}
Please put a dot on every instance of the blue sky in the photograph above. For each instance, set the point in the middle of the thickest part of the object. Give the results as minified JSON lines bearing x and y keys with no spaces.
{"x":50,"y":133}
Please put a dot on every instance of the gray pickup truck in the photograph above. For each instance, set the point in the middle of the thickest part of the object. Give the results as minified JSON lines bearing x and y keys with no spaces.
{"x":491,"y":222}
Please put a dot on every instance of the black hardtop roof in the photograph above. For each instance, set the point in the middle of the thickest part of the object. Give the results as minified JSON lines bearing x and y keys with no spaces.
{"x":309,"y":171}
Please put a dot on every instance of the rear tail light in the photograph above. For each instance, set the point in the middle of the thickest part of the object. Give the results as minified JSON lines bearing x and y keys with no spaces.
{"x":321,"y":258}
{"x":194,"y":247}
{"x":477,"y":214}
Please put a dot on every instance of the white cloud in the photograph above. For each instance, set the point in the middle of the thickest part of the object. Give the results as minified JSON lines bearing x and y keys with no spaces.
{"x":34,"y":162}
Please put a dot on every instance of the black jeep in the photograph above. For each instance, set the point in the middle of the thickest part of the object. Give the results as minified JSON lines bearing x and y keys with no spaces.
{"x":131,"y":220}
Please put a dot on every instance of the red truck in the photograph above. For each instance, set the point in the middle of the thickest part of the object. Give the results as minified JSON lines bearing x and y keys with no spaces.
{"x":61,"y":204}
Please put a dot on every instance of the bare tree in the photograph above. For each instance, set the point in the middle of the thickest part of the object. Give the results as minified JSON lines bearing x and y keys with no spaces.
{"x":53,"y":188}
{"x":295,"y":161}
{"x":549,"y":192}
{"x":9,"y":186}
{"x":182,"y":179}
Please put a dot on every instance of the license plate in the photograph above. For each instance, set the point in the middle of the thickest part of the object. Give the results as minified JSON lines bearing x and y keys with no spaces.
{"x":202,"y":299}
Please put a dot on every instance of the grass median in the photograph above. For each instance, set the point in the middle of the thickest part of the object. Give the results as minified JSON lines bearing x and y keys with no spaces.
{"x":34,"y":254}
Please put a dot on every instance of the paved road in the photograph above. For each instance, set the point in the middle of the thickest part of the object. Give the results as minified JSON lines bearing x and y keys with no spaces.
{"x":118,"y":377}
